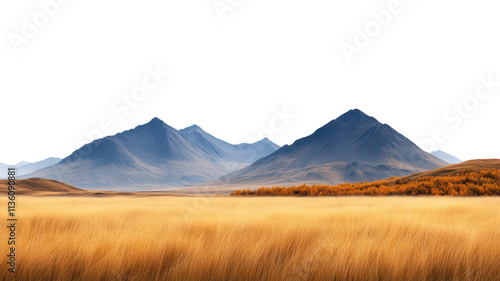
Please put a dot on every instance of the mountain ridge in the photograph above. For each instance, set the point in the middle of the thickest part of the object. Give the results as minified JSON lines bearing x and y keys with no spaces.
{"x":153,"y":155}
{"x":352,"y":147}
{"x":25,"y":167}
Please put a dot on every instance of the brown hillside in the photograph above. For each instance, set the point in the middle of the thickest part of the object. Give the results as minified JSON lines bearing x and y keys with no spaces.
{"x":47,"y":187}
{"x":471,"y":178}
{"x":479,"y":164}
{"x":37,"y":185}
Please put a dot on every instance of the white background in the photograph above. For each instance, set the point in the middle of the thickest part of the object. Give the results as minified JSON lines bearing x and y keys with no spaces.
{"x":229,"y":76}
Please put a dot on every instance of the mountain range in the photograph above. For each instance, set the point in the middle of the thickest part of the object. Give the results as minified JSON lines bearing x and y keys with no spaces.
{"x":37,"y":186}
{"x":24,"y":167}
{"x":152,"y":156}
{"x":354,"y":147}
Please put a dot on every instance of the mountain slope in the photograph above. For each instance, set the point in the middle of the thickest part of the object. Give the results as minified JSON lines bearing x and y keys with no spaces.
{"x":219,"y":149}
{"x":446,"y":157}
{"x":27,"y":168}
{"x":354,"y":147}
{"x":472,"y":178}
{"x":24,"y":167}
{"x":475,"y":165}
{"x":151,"y":156}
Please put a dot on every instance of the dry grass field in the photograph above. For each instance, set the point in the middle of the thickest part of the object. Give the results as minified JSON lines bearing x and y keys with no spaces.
{"x":256,"y":238}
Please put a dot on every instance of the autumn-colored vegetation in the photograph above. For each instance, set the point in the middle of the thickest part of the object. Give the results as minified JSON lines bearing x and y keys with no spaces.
{"x":256,"y":238}
{"x":463,"y":183}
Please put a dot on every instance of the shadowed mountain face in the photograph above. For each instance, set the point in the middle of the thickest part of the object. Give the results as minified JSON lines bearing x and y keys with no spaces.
{"x":354,"y":147}
{"x":152,"y":156}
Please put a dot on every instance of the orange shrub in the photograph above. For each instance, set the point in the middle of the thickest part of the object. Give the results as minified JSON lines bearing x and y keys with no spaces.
{"x":464,"y":183}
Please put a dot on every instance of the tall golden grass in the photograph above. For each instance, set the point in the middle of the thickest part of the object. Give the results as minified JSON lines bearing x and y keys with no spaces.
{"x":246,"y":238}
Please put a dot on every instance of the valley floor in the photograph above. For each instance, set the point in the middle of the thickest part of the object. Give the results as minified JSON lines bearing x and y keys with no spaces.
{"x":263,"y":238}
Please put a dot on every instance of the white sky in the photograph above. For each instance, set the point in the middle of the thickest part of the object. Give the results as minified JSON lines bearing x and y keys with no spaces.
{"x":230,"y":76}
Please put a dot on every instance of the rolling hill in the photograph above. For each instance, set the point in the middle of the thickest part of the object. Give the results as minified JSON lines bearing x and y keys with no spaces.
{"x":39,"y":186}
{"x":46,"y":187}
{"x":477,"y":165}
{"x":473,"y":178}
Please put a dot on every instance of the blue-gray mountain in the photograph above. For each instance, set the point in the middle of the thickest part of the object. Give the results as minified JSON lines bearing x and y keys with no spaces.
{"x":24,"y":167}
{"x":3,"y":170}
{"x":446,"y":157}
{"x":352,"y":148}
{"x":152,"y":156}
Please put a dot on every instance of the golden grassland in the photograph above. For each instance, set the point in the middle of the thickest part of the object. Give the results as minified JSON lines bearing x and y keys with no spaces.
{"x":264,"y":238}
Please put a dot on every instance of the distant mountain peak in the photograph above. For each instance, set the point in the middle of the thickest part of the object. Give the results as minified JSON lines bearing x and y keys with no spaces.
{"x":353,"y":114}
{"x":156,"y":121}
{"x":153,"y":155}
{"x":28,"y":167}
{"x":156,"y":124}
{"x":446,"y":157}
{"x":355,"y":111}
{"x":350,"y":122}
{"x":267,"y":141}
{"x":354,"y":147}
{"x":22,"y":163}
{"x":264,"y":144}
{"x":192,"y":128}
